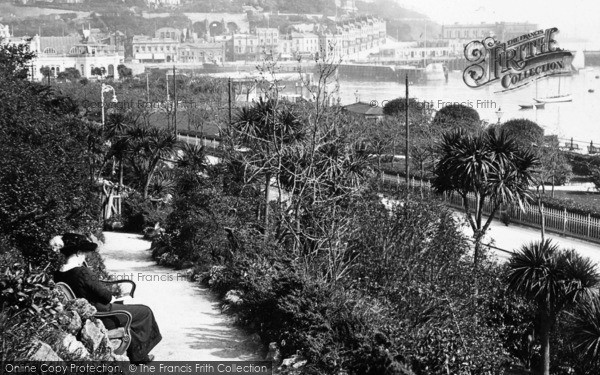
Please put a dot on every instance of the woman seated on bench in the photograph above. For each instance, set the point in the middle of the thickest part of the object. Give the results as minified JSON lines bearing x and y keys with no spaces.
{"x":144,"y":330}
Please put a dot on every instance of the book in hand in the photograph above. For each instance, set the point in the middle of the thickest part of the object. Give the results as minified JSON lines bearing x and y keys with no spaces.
{"x":124,"y":299}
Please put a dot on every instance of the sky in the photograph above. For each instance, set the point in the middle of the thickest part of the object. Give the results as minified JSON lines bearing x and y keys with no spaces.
{"x":576,"y":19}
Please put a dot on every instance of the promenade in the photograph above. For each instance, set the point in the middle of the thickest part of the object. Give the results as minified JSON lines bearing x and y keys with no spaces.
{"x":512,"y":237}
{"x":188,"y":315}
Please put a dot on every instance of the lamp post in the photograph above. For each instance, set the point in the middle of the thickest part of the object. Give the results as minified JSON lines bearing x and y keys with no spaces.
{"x":107,"y":88}
{"x":499,"y":114}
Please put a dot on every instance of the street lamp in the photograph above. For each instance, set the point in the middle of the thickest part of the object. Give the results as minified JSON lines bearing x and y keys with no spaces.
{"x":499,"y":114}
{"x":107,"y":88}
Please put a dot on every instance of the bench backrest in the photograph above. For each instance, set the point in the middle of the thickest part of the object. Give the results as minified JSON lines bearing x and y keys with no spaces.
{"x":65,"y":290}
{"x":122,"y":334}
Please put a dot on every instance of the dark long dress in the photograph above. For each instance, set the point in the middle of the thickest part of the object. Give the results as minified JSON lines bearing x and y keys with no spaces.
{"x":144,"y":330}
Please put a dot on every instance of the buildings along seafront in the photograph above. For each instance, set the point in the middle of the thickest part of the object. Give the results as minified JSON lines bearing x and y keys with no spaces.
{"x":83,"y":52}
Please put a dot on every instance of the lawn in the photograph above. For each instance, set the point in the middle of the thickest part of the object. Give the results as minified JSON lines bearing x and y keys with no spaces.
{"x":584,"y":198}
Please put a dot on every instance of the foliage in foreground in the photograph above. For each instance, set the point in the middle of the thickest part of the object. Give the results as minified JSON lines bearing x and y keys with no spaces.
{"x":393,"y":311}
{"x":45,"y":185}
{"x":46,"y":188}
{"x":554,"y":281}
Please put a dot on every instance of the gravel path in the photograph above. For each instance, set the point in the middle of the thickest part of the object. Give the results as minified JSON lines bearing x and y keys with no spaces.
{"x":188,"y":315}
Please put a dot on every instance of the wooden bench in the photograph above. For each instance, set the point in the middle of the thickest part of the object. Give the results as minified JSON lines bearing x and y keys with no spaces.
{"x":121,"y":335}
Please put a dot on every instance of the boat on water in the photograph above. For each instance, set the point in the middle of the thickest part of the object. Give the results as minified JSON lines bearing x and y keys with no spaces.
{"x":555,"y":99}
{"x":559,"y":98}
{"x":530,"y":106}
{"x":436,"y":72}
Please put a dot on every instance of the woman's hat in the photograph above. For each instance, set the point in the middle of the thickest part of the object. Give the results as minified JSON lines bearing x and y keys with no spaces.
{"x":74,"y":242}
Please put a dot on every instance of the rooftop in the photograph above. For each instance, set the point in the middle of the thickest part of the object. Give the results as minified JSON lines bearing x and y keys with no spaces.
{"x":364,"y":109}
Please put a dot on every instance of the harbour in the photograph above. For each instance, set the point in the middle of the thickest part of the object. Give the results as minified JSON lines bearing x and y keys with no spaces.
{"x":577,"y":119}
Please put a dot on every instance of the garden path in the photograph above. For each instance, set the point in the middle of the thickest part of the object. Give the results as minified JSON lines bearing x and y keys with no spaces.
{"x":188,"y":315}
{"x":512,"y":237}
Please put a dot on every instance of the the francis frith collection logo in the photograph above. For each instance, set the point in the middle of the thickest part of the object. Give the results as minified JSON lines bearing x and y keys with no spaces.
{"x":516,"y":62}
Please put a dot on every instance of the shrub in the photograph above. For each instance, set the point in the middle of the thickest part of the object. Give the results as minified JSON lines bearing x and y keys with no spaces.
{"x":583,"y":165}
{"x":457,"y":116}
{"x":570,"y":205}
{"x":324,"y":324}
{"x":596,"y":177}
{"x":139,"y":213}
{"x":524,"y":132}
{"x":29,"y":305}
{"x":45,"y":188}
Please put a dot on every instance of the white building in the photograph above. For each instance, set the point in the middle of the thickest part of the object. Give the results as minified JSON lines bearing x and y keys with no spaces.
{"x":268,"y":40}
{"x":82,"y":56}
{"x":59,"y":53}
{"x":201,"y":53}
{"x":243,"y":47}
{"x":164,"y":3}
{"x":354,"y":37}
{"x":304,"y":44}
{"x":154,"y":50}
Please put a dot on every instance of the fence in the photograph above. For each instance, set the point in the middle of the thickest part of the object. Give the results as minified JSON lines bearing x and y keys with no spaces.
{"x":558,"y":221}
{"x":204,"y":141}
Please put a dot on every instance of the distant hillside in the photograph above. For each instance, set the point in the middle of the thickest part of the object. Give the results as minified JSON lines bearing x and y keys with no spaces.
{"x":384,"y":8}
{"x":284,"y":6}
{"x":299,"y":6}
{"x":402,"y":24}
{"x":389,"y":9}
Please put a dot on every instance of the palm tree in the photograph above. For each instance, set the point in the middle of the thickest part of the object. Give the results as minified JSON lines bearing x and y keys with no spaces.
{"x":266,"y":128}
{"x":193,"y":157}
{"x":486,"y":167}
{"x":149,"y":147}
{"x":554,"y":280}
{"x":117,"y":132}
{"x":585,"y":328}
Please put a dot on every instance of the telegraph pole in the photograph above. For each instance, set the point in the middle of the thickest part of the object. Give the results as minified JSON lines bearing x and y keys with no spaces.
{"x":168,"y":103}
{"x":229,"y":98}
{"x":407,"y":153}
{"x":175,"y":99}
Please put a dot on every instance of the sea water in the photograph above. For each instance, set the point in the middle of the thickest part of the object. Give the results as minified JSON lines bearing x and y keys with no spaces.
{"x":578,"y":119}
